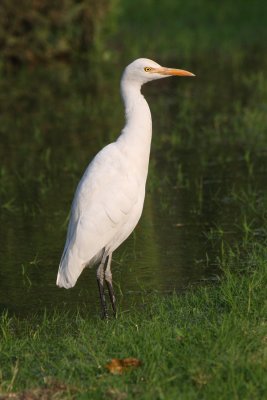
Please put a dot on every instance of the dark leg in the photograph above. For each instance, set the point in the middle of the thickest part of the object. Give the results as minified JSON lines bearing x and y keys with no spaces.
{"x":100,"y":281}
{"x":108,"y":279}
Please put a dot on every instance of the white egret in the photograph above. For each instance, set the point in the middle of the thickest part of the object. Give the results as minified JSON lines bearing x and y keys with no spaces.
{"x":109,"y":198}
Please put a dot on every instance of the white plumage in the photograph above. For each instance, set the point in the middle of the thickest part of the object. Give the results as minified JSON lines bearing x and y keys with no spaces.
{"x":109,"y":198}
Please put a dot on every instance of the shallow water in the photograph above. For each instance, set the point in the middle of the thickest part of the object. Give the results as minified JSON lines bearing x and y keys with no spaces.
{"x":54,"y":120}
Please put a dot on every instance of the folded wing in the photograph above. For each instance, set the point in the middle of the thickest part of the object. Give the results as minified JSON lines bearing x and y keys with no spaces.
{"x":105,"y":197}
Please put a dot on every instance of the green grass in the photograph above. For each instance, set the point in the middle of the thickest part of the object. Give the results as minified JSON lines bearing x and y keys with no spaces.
{"x":208,"y":343}
{"x":177,"y":30}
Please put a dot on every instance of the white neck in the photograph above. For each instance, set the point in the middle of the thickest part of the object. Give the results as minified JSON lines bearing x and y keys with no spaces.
{"x":135,"y":138}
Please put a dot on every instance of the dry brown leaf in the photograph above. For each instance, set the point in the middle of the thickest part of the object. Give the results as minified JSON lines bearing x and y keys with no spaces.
{"x":119,"y":365}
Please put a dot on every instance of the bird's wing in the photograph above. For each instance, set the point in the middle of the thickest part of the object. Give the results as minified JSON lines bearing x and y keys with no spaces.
{"x":104,"y":197}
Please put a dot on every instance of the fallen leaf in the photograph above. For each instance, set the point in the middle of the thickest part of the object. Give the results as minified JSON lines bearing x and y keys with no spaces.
{"x":131,"y":362}
{"x":119,"y":365}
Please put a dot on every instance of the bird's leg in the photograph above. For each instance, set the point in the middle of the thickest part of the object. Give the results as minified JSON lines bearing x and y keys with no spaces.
{"x":100,"y":274}
{"x":108,"y":279}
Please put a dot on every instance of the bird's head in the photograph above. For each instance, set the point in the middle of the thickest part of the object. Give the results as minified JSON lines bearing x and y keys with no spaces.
{"x":144,"y":70}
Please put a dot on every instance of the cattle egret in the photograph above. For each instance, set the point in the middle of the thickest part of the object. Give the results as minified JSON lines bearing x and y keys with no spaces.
{"x":109,"y":198}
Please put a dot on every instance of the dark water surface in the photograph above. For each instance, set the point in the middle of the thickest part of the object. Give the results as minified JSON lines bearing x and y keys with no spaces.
{"x":53,"y":121}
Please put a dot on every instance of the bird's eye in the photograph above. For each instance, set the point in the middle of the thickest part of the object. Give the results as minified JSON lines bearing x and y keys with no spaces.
{"x":147,"y":69}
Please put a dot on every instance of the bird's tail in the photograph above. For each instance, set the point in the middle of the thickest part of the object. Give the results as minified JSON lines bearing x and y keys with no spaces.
{"x":69,"y":271}
{"x":71,"y":267}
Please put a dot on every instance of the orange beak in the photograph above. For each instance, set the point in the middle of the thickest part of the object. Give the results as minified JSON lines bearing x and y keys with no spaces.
{"x":172,"y":71}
